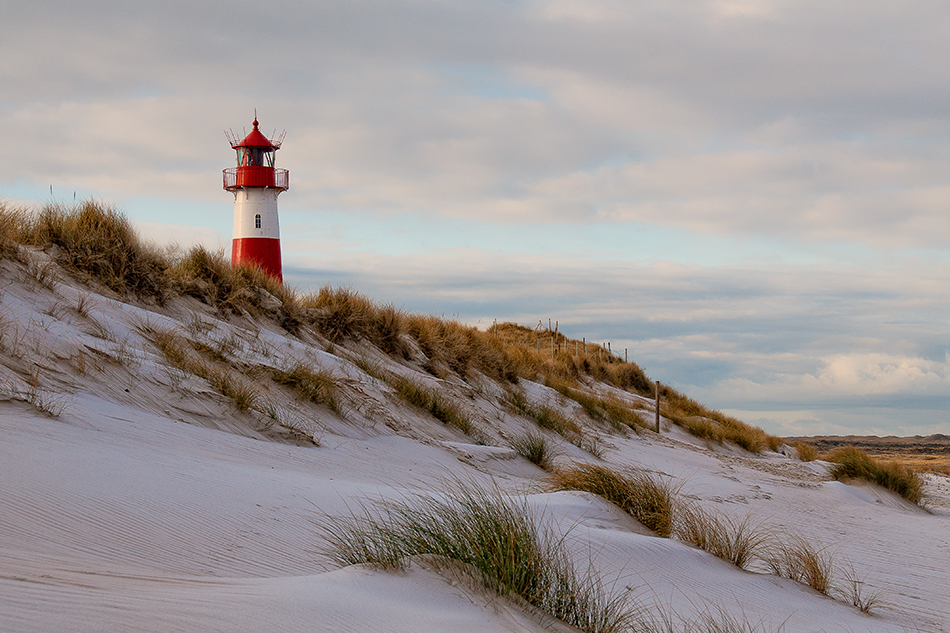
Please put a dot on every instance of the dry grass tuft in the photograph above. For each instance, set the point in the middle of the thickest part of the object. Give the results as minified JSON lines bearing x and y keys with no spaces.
{"x":612,"y":411}
{"x":738,"y":541}
{"x":854,"y":592}
{"x":711,"y":425}
{"x":536,"y":448}
{"x":317,"y":387}
{"x":531,"y":352}
{"x":460,"y":348}
{"x":645,"y":497}
{"x":796,"y":559}
{"x":497,"y":541}
{"x":853,"y":463}
{"x":441,"y":408}
{"x":545,"y":417}
{"x":806,"y":452}
{"x":11,"y":220}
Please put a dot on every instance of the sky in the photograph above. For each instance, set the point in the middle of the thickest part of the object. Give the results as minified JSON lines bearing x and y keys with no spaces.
{"x":750,"y":197}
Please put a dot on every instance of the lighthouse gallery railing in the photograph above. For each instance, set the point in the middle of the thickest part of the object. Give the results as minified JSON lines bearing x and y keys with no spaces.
{"x":237,"y":177}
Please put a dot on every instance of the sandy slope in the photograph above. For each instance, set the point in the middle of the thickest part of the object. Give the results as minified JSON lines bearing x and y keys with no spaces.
{"x":150,"y":503}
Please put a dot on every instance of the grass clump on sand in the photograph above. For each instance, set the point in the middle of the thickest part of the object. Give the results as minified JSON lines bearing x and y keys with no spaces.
{"x":495,"y":539}
{"x":317,"y":387}
{"x":617,"y":414}
{"x":738,"y":541}
{"x":545,"y":417}
{"x":176,"y":350}
{"x":460,"y":348}
{"x":209,"y":277}
{"x":796,"y":559}
{"x":853,"y":463}
{"x":645,"y":497}
{"x":806,"y":452}
{"x":535,"y":447}
{"x":11,"y":219}
{"x":531,"y":351}
{"x":439,"y":407}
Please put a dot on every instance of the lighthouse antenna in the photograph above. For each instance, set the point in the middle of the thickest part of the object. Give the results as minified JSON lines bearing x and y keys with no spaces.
{"x":229,"y":133}
{"x":280,"y":139}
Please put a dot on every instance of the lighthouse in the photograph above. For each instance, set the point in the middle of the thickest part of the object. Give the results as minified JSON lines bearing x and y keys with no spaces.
{"x":256,"y":183}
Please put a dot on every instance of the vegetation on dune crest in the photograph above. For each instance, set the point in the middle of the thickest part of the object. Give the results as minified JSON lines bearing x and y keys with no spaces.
{"x":96,"y":243}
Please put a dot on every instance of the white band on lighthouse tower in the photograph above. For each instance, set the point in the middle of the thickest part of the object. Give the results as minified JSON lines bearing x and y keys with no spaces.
{"x":255,"y":213}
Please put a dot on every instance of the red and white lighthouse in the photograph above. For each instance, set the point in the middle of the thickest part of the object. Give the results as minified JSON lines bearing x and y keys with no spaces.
{"x":256,"y":183}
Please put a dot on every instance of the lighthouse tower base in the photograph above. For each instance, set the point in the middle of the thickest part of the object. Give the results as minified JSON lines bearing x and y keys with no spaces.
{"x":256,"y":231}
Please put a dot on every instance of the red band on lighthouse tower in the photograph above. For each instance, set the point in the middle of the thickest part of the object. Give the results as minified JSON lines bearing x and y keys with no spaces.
{"x":256,"y":183}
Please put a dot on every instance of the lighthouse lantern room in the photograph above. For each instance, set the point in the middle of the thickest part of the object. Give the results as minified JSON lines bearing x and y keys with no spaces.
{"x":256,"y":183}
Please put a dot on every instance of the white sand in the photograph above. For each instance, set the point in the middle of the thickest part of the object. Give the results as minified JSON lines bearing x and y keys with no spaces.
{"x":151,"y":504}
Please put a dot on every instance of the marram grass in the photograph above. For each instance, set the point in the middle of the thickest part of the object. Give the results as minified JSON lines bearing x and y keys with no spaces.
{"x":494,"y":536}
{"x":645,"y":497}
{"x":853,"y":463}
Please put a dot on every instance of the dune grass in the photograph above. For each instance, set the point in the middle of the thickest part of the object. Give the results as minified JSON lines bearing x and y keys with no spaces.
{"x":96,"y":242}
{"x":619,"y":415}
{"x":806,"y":452}
{"x":531,"y":351}
{"x":176,"y":349}
{"x":544,"y":416}
{"x":535,"y":447}
{"x":342,"y":314}
{"x":646,"y":497}
{"x":853,"y":463}
{"x":209,"y":277}
{"x":497,"y":540}
{"x":309,"y":385}
{"x":795,"y":558}
{"x":438,"y":406}
{"x":738,"y":541}
{"x":712,"y":425}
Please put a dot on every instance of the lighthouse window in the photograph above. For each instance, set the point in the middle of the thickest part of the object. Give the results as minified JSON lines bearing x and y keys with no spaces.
{"x":257,"y":221}
{"x":255,"y":157}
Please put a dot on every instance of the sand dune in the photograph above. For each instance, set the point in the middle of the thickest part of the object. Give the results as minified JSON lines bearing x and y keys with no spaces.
{"x":149,"y":503}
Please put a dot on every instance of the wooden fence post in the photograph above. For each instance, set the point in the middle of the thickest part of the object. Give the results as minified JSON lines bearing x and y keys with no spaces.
{"x":657,"y":406}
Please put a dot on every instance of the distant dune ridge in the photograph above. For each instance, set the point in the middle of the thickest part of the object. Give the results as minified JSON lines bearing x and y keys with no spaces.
{"x":191,"y":446}
{"x":930,"y":453}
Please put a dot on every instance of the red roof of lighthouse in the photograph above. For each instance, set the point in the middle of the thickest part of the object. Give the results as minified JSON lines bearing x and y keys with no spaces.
{"x":256,"y":140}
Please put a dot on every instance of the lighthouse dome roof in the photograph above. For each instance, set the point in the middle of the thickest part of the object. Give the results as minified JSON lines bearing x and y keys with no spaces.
{"x":256,"y":140}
